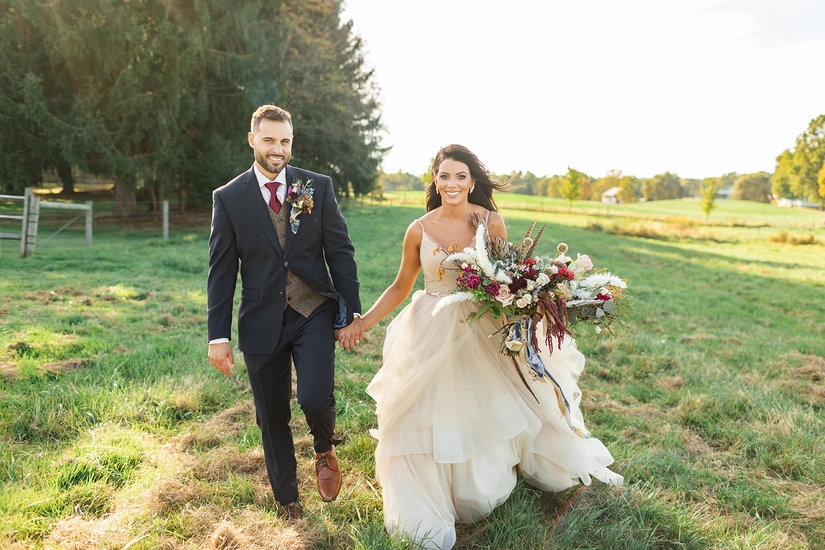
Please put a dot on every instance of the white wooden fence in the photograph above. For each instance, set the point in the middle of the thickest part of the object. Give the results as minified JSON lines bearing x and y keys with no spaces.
{"x":30,"y":219}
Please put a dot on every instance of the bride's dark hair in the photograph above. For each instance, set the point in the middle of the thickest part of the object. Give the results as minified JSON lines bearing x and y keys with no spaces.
{"x":482,"y":192}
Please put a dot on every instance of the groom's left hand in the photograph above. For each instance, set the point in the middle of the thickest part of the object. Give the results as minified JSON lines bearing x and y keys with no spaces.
{"x":350,"y":336}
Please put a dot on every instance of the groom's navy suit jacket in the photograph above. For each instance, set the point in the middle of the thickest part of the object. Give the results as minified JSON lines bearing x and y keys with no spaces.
{"x":321,"y":253}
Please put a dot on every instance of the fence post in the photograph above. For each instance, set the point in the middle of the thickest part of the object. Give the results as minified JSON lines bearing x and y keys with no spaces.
{"x":31,"y":215}
{"x":165,"y":220}
{"x":89,"y":224}
{"x":27,"y":195}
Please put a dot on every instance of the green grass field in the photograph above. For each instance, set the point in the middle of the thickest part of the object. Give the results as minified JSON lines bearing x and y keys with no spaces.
{"x":116,"y":433}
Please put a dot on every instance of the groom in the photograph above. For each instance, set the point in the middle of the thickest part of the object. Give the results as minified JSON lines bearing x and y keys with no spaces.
{"x":298,"y":285}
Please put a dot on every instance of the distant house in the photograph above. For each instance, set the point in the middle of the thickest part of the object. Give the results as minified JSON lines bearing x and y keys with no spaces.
{"x":725,"y":193}
{"x":797,"y":202}
{"x":611,"y":196}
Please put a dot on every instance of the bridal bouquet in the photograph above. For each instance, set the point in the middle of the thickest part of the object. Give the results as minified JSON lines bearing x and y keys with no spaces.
{"x":512,"y":284}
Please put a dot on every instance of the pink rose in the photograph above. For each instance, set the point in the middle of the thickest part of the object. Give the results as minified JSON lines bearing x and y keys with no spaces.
{"x":504,"y":295}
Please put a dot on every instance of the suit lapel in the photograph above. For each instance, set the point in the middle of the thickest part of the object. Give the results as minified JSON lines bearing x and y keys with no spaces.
{"x":256,"y":203}
{"x":290,"y":236}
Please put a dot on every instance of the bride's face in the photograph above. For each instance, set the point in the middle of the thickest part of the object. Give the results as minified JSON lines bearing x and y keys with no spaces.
{"x":453,"y":181}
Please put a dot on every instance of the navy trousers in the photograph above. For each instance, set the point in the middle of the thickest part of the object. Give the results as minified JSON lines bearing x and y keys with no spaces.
{"x":309,"y":344}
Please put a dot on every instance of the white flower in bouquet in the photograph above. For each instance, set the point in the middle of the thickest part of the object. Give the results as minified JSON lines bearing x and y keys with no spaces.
{"x":617,"y":282}
{"x":581,"y":264}
{"x":542,"y":279}
{"x":596,"y":280}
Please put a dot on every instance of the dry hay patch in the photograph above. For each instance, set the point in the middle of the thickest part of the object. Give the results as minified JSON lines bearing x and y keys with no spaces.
{"x":629,"y":406}
{"x":812,"y":368}
{"x":806,"y":500}
{"x":170,"y":494}
{"x":669,"y":383}
{"x":232,"y":461}
{"x":222,"y":426}
{"x":694,"y":444}
{"x":66,"y":365}
{"x":9,"y":369}
{"x":114,"y":530}
{"x":248,"y":531}
{"x":808,"y":377}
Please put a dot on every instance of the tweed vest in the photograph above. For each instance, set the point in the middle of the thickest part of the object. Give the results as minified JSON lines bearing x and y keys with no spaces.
{"x":299,"y":295}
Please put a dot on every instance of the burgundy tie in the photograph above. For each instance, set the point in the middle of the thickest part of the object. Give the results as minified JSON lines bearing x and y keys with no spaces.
{"x":274,"y":203}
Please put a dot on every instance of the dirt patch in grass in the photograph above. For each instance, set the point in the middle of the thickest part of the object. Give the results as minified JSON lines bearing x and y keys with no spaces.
{"x":11,"y":370}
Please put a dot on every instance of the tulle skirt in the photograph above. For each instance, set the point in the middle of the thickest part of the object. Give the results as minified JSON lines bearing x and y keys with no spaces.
{"x":456,"y":423}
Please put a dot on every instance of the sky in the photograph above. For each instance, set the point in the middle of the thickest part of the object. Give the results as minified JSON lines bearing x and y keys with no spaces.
{"x":699,"y":88}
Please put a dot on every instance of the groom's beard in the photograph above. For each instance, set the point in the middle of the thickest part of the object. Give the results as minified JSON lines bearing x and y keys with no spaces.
{"x":273,"y":166}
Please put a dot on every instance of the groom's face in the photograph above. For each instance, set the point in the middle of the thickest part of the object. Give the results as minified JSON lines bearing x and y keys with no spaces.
{"x":272,"y":144}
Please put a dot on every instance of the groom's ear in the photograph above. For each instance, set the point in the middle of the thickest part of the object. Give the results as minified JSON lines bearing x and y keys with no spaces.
{"x":251,"y":139}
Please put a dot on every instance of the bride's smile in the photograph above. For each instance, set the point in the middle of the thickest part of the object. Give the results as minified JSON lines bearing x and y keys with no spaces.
{"x":454,"y":181}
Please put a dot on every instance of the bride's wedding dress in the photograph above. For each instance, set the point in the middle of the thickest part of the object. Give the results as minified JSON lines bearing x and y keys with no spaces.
{"x":456,"y":424}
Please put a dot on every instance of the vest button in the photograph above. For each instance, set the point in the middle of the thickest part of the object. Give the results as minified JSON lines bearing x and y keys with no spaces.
{"x":286,"y":264}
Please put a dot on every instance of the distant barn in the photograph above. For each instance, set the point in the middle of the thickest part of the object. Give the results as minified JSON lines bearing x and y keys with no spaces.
{"x":611,"y":196}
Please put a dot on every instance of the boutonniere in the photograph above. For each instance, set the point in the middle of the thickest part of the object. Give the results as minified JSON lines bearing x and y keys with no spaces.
{"x":299,"y":196}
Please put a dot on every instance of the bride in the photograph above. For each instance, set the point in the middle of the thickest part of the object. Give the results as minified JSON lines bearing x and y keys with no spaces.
{"x":456,"y":425}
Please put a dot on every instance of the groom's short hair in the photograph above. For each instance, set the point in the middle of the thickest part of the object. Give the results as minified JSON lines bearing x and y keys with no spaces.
{"x":269,"y":112}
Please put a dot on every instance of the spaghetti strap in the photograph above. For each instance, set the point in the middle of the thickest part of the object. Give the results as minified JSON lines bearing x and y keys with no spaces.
{"x":421,"y":224}
{"x":487,"y":220}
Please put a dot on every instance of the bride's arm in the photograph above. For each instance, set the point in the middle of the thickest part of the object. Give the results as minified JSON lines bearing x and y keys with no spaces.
{"x":398,"y":291}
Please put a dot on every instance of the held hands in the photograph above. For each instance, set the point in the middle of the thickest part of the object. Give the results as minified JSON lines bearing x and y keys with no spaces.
{"x":220,"y":357}
{"x":350,"y":336}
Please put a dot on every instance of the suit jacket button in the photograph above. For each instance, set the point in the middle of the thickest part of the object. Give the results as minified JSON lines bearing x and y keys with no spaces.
{"x":281,"y":293}
{"x":286,"y":264}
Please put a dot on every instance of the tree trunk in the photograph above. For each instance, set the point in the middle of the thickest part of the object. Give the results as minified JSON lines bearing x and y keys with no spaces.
{"x":125,"y":204}
{"x":64,"y":172}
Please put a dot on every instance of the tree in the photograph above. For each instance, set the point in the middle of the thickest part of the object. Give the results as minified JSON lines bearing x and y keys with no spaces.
{"x":400,"y":181}
{"x":631,"y":189}
{"x":662,"y":187}
{"x":809,"y":157}
{"x":752,"y":187}
{"x":157,"y":95}
{"x":571,"y":185}
{"x":797,"y":172}
{"x":821,"y":180}
{"x":330,"y":94}
{"x":784,"y":181}
{"x":554,"y":185}
{"x":709,"y":188}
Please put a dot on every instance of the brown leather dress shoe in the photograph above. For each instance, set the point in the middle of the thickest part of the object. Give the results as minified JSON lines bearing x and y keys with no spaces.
{"x":290,"y":512}
{"x":327,"y":475}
